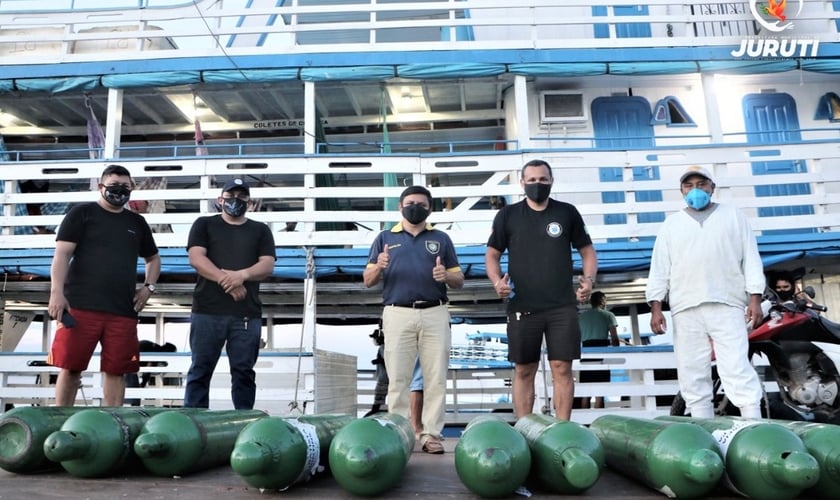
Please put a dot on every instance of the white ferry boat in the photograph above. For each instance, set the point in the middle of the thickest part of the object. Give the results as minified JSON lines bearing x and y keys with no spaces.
{"x":330,"y":107}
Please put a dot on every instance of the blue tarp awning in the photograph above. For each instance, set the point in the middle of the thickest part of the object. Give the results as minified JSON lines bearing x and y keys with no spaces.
{"x":443,"y":69}
{"x":613,"y":257}
{"x":153,"y":79}
{"x":55,"y":85}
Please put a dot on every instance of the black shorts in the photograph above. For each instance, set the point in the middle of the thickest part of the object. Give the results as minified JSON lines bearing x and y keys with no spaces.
{"x":559,"y":326}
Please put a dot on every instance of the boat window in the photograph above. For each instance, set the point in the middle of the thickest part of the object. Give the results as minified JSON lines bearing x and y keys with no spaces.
{"x":668,"y":111}
{"x":828,"y":108}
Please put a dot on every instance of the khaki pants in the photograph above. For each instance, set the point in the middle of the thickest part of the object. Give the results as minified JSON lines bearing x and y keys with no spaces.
{"x":409,"y":332}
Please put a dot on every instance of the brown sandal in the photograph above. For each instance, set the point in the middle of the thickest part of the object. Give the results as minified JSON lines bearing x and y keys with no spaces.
{"x":434,"y":447}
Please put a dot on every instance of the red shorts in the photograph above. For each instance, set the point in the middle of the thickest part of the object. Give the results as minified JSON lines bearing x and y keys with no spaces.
{"x":72,"y":348}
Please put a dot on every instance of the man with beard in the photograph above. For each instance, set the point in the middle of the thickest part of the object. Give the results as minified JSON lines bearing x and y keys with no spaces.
{"x":539,"y":233}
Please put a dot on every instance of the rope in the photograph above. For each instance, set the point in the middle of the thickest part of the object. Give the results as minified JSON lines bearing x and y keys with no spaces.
{"x":308,"y":297}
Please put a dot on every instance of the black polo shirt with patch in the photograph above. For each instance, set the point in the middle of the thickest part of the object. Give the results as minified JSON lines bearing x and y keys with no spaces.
{"x":539,"y":245}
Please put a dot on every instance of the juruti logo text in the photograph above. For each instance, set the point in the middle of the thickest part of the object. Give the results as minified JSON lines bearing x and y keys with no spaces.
{"x":775,"y":18}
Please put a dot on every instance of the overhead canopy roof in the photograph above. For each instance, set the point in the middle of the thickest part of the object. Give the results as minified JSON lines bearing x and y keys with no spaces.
{"x":409,"y":71}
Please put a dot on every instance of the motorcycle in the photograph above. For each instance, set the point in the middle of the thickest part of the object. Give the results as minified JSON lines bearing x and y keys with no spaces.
{"x":802,"y":351}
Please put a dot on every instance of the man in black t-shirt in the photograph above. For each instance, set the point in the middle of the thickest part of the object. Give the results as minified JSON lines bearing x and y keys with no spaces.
{"x":232,"y":255}
{"x":94,"y":292}
{"x":538,"y":234}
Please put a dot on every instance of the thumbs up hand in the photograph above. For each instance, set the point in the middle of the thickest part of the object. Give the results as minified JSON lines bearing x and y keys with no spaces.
{"x":382,"y":260}
{"x":503,"y":286}
{"x":439,"y":272}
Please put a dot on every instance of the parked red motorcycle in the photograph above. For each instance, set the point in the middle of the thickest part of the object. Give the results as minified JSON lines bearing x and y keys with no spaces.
{"x":802,"y":350}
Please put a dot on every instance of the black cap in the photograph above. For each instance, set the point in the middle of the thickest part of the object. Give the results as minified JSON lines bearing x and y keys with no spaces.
{"x":236,"y":183}
{"x":416,"y":190}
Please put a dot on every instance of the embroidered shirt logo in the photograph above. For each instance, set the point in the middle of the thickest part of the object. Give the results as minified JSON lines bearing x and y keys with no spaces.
{"x":433,"y":247}
{"x":554,"y":229}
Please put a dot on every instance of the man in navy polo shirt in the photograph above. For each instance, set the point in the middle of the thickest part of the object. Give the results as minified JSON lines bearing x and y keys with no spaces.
{"x":416,"y":263}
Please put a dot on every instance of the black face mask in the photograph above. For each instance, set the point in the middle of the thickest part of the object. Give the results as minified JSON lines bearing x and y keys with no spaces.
{"x":415,"y":214}
{"x":234,"y":207}
{"x":785,"y":295}
{"x":117,"y":195}
{"x":537,"y":192}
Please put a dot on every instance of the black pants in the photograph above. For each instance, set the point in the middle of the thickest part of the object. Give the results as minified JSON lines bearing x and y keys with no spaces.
{"x":595,"y":375}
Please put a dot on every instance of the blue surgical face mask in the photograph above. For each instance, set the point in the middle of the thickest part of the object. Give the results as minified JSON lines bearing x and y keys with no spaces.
{"x":698,"y":199}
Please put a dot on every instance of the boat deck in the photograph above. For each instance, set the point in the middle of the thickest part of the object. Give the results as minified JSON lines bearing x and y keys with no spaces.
{"x":426,"y":476}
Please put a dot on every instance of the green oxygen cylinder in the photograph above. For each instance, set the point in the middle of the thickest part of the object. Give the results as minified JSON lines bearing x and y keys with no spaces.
{"x":678,"y":460}
{"x":98,"y":441}
{"x":763,"y":460}
{"x":566,"y":457}
{"x":367,"y":457}
{"x":23,"y":431}
{"x":174,"y":443}
{"x":823,"y":442}
{"x":275,"y":453}
{"x":491,"y":458}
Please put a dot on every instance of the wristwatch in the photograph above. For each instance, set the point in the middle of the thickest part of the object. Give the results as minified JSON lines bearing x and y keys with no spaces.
{"x":150,"y":286}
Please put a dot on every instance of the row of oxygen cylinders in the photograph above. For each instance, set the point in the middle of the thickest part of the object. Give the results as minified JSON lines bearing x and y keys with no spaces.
{"x":677,"y":456}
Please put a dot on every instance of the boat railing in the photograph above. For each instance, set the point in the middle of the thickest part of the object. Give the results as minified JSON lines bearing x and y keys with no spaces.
{"x":643,"y":385}
{"x":227,"y":148}
{"x":35,"y":152}
{"x":328,"y":200}
{"x":213,"y":28}
{"x":285,"y":381}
